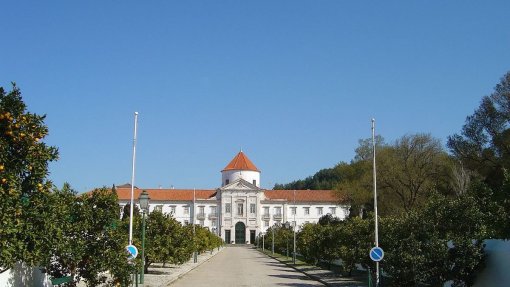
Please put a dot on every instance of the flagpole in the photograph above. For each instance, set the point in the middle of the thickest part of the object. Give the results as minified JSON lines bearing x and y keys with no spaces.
{"x":132,"y":184}
{"x":375,"y":204}
{"x":193,"y":221}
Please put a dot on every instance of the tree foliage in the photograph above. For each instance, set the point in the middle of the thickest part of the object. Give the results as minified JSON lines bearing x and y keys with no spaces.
{"x":88,"y":241}
{"x":483,"y":145}
{"x":448,"y":233}
{"x":24,"y":188}
{"x":408,"y":171}
{"x":167,"y":241}
{"x":323,"y":179}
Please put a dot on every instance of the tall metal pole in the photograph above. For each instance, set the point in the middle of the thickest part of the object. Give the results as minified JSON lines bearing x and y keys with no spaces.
{"x":294,"y":230}
{"x":194,"y":237}
{"x":375,"y":204}
{"x":132,"y":184}
{"x":263,"y":247}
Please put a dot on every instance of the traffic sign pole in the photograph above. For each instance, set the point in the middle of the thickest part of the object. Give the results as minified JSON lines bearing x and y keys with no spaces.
{"x":375,"y":206}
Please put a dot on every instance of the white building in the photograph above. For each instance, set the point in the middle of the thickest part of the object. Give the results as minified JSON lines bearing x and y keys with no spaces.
{"x":239,"y":210}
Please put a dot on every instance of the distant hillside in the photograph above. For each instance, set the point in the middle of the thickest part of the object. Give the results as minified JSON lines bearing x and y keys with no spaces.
{"x":324,"y":179}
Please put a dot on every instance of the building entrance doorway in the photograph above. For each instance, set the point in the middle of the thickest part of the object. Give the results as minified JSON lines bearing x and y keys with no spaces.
{"x":252,"y":236}
{"x":240,"y":233}
{"x":227,"y":236}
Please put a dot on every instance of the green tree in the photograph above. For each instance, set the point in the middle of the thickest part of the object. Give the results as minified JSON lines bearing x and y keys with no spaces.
{"x":355,"y":239}
{"x":308,"y":242}
{"x":411,"y":169}
{"x":158,"y":240}
{"x":447,"y":232}
{"x":86,"y":238}
{"x":357,"y":187}
{"x":68,"y":245}
{"x":483,"y":146}
{"x":329,"y":247}
{"x":24,"y":187}
{"x":408,"y":171}
{"x":103,"y":241}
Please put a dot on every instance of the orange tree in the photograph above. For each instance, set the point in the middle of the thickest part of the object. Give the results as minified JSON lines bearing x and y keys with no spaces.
{"x":89,"y":240}
{"x":24,"y":188}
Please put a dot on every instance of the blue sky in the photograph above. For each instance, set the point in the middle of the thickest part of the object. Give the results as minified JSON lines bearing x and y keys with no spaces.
{"x":293,"y":83}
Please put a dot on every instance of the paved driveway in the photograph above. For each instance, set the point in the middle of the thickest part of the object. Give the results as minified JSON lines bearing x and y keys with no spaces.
{"x":244,"y":266}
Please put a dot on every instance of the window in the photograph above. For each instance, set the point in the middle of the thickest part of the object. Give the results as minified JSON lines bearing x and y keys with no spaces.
{"x":266,"y":210}
{"x":201,"y":222}
{"x":307,"y":210}
{"x":213,"y":210}
{"x":158,"y":207}
{"x":332,"y":210}
{"x":319,"y":210}
{"x":227,"y":182}
{"x":293,"y":210}
{"x":186,"y":210}
{"x":278,"y":211}
{"x":172,"y":209}
{"x":201,"y":210}
{"x":213,"y":223}
{"x":227,"y":207}
{"x":278,"y":222}
{"x":266,"y":223}
{"x":239,"y":209}
{"x":293,"y":224}
{"x":252,"y":208}
{"x":254,"y":182}
{"x":186,"y":222}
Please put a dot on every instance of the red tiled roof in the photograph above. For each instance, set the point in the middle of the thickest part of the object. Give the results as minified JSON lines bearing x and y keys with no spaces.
{"x":167,"y":194}
{"x":200,"y":194}
{"x":303,"y":195}
{"x":241,"y":162}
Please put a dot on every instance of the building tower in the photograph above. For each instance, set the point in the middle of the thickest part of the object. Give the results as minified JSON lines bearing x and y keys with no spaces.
{"x":240,"y":167}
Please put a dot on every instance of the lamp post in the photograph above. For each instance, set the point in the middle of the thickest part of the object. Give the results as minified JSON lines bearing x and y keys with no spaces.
{"x":263,"y":249}
{"x":143,"y":200}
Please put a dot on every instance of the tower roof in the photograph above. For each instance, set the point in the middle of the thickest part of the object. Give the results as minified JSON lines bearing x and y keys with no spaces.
{"x":241,"y":162}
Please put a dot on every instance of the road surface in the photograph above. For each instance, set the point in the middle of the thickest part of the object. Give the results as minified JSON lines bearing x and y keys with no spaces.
{"x":244,"y":266}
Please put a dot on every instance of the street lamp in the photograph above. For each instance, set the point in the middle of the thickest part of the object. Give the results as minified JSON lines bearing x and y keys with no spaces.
{"x":143,"y":200}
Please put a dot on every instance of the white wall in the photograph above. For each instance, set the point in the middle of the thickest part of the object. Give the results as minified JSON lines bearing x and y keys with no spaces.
{"x":21,"y":276}
{"x":233,"y":175}
{"x":301,"y":218}
{"x":497,"y":271}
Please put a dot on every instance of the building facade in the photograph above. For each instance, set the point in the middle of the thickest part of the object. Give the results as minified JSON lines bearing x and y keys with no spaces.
{"x":240,"y":210}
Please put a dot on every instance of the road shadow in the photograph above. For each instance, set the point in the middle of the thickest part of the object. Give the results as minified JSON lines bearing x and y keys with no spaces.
{"x":291,"y":276}
{"x":296,"y":284}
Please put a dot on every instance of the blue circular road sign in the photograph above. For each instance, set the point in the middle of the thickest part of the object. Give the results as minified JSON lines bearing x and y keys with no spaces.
{"x":132,"y":251}
{"x":376,"y":254}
